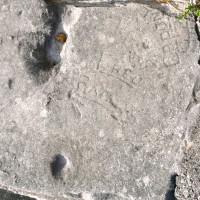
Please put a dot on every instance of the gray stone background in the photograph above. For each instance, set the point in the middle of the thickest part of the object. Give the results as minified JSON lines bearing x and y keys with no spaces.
{"x":111,"y":114}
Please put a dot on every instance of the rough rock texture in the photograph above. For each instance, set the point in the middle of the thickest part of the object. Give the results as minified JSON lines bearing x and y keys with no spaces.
{"x":187,"y":181}
{"x":106,"y":115}
{"x":28,"y":35}
{"x":7,"y":195}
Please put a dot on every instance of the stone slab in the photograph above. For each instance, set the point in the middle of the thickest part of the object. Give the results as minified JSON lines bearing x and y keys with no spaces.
{"x":103,"y":116}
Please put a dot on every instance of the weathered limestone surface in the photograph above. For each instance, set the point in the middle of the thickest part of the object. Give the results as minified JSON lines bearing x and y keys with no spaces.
{"x":104,"y":116}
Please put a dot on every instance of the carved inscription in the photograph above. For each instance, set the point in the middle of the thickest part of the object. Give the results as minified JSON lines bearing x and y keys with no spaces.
{"x":128,"y":66}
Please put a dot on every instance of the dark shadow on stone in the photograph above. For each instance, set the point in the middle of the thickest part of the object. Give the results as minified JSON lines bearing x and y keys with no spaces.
{"x":10,"y":83}
{"x":57,"y":165}
{"x":197,"y":28}
{"x":172,"y":185}
{"x":41,"y":49}
{"x":73,"y":195}
{"x":194,"y":99}
{"x":105,"y":196}
{"x":8,"y":195}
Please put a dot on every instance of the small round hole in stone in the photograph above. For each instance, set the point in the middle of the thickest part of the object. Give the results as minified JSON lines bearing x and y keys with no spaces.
{"x":57,"y":165}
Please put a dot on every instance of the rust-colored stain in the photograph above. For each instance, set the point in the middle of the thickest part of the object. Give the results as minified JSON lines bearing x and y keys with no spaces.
{"x":61,"y":37}
{"x":162,"y":1}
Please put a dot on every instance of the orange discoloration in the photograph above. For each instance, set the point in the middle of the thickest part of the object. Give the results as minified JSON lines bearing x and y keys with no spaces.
{"x":61,"y":37}
{"x":163,"y":1}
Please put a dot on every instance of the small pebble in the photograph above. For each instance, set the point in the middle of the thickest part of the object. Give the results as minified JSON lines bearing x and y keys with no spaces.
{"x":61,"y":37}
